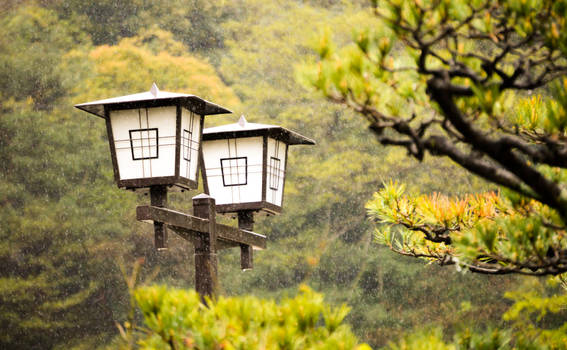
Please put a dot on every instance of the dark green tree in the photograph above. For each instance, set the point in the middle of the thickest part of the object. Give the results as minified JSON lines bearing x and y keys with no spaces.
{"x":63,"y":223}
{"x":32,"y":43}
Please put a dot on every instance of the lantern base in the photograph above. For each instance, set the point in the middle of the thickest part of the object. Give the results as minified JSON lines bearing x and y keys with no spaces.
{"x":175,"y":182}
{"x":262,"y":206}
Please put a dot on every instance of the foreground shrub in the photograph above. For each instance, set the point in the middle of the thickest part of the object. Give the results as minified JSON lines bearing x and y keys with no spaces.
{"x":176,"y":319}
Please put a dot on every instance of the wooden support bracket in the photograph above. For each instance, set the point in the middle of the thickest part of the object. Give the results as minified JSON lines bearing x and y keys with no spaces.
{"x":206,"y":235}
{"x":190,"y":225}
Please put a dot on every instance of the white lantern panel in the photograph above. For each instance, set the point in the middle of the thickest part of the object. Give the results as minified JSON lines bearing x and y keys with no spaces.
{"x":234,"y":169}
{"x":275,"y":171}
{"x":190,"y":138}
{"x":144,"y":141}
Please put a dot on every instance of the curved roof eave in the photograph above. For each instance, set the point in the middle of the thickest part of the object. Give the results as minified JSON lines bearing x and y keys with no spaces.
{"x":154,"y":96}
{"x":244,"y":129}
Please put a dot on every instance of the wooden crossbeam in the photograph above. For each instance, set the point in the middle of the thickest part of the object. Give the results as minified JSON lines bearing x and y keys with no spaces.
{"x":191,"y":226}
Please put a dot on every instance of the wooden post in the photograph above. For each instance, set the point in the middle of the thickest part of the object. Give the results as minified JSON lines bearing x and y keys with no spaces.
{"x":158,"y":198}
{"x":206,"y":281}
{"x":246,"y":222}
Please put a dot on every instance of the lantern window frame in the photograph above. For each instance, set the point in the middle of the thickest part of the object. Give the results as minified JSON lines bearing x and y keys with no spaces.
{"x":142,"y":146}
{"x":275,"y":170}
{"x":187,"y":147}
{"x":230,"y":167}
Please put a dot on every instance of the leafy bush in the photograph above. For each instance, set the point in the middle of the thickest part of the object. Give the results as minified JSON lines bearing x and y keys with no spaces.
{"x":177,"y":319}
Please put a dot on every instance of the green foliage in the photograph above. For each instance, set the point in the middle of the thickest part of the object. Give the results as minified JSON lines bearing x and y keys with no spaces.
{"x":56,"y":265}
{"x":65,"y":224}
{"x":177,"y":319}
{"x":441,"y":78}
{"x":538,"y":314}
{"x":473,"y":231}
{"x":32,"y":43}
{"x":67,"y":228}
{"x":489,"y":340}
{"x":104,"y":21}
{"x":543,"y":114}
{"x":422,"y":341}
{"x":195,"y":23}
{"x":135,"y":63}
{"x":322,"y":238}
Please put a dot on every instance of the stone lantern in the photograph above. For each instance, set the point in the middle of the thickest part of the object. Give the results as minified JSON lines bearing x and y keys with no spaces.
{"x":154,"y":136}
{"x":245,"y":165}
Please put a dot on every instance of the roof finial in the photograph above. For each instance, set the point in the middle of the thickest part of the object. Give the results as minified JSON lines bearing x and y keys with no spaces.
{"x":154,"y":90}
{"x":242,"y":121}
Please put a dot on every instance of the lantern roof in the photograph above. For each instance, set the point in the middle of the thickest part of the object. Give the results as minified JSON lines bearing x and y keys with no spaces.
{"x":153,"y":98}
{"x":245,"y":129}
